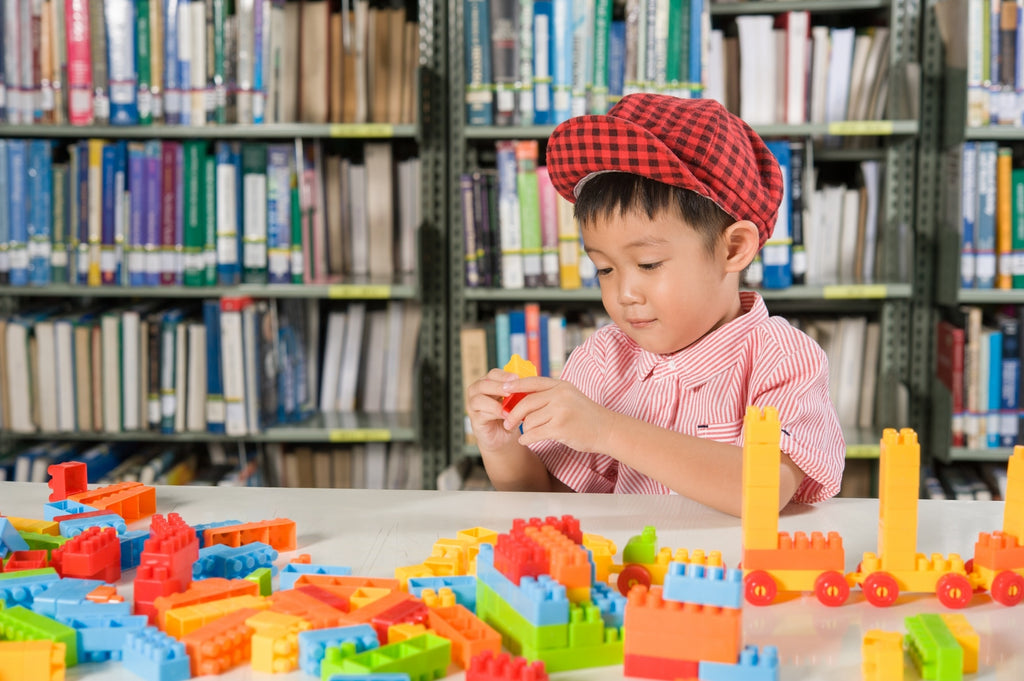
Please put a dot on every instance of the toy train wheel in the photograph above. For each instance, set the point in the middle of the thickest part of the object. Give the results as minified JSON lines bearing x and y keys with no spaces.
{"x":881,"y":589}
{"x":1008,"y":588}
{"x":954,"y":590}
{"x":632,"y":575}
{"x":831,"y":588}
{"x":759,"y":588}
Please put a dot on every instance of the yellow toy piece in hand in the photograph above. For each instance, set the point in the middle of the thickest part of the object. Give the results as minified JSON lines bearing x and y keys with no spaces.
{"x":523,"y":368}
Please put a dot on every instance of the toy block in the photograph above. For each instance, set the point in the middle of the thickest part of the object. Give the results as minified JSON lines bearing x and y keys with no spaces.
{"x":492,"y":666}
{"x":451,"y":557}
{"x":423,"y":657}
{"x":319,"y":614}
{"x":314,"y":643}
{"x":130,"y":500}
{"x":477,"y":535}
{"x":202,"y":591}
{"x":569,"y":563}
{"x":43,"y":542}
{"x":77,"y":524}
{"x":70,"y":477}
{"x":54,"y":509}
{"x":998,"y":551}
{"x":692,"y":583}
{"x":411,"y":611}
{"x":324,"y":596}
{"x":63,"y":591}
{"x":268,"y":619}
{"x":610,"y":603}
{"x":463,"y":586}
{"x":232,"y":563}
{"x":517,"y":633}
{"x":21,"y":588}
{"x":95,"y":553}
{"x":32,"y":661}
{"x":105,"y":593}
{"x":799,"y":552}
{"x":155,"y":656}
{"x":302,"y":558}
{"x":753,"y":665}
{"x":18,"y":623}
{"x":347,"y":582}
{"x":403,"y":631}
{"x":651,"y":667}
{"x":132,"y":545}
{"x":262,"y":577}
{"x":103,"y":638}
{"x":406,"y":572}
{"x":10,"y":540}
{"x":181,"y":621}
{"x":365,"y":614}
{"x":966,"y":637}
{"x":469,"y":634}
{"x":201,"y":528}
{"x":223,"y":644}
{"x":657,"y":627}
{"x":934,"y":651}
{"x":394,"y":676}
{"x":882,"y":655}
{"x":760,"y":476}
{"x":522,"y":368}
{"x":27,"y":560}
{"x":602,"y":654}
{"x":432,"y":599}
{"x":291,"y":572}
{"x":278,"y":533}
{"x":1013,"y":506}
{"x":602,"y":555}
{"x":641,"y":548}
{"x":34,"y":525}
{"x":541,"y":601}
{"x":88,"y":610}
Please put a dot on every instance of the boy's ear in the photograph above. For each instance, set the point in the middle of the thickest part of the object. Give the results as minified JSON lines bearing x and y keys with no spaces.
{"x":741,"y":242}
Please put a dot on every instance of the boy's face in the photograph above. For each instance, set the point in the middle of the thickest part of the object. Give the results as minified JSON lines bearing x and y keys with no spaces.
{"x":658,"y":282}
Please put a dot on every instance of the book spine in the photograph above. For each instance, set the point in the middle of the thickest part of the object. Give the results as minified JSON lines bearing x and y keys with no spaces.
{"x":244,"y":59}
{"x":527,"y":152}
{"x":61,"y":221}
{"x":561,"y":59}
{"x":531,"y":326}
{"x":195,"y":231}
{"x":279,"y":212}
{"x":524,"y":48}
{"x":143,"y":62}
{"x":1010,"y":380}
{"x":616,"y":62}
{"x":259,"y":39}
{"x":504,"y":60}
{"x":208,"y":219}
{"x":120,"y":209}
{"x":228,"y":269}
{"x":40,"y":211}
{"x":153,"y":217}
{"x":108,"y":186}
{"x":699,"y":27}
{"x":79,"y":79}
{"x":168,"y":214}
{"x":84,"y":196}
{"x":512,"y":272}
{"x":98,"y":54}
{"x":183,"y":36}
{"x":1017,"y":229}
{"x":798,"y":255}
{"x":254,"y":230}
{"x":969,"y":217}
{"x":470,"y":258}
{"x":136,"y":254}
{"x":5,"y":213}
{"x":599,"y":53}
{"x":198,"y":94}
{"x":481,"y":229}
{"x":172,"y":76}
{"x":775,"y":255}
{"x":297,"y":266}
{"x":220,"y":97}
{"x":153,"y":339}
{"x":985,"y":253}
{"x":995,"y":389}
{"x":168,"y":370}
{"x":568,"y":246}
{"x":543,"y":75}
{"x":214,"y":379}
{"x":1004,"y":218}
{"x":122,"y":78}
{"x":17,"y":174}
{"x":156,"y":58}
{"x":548,"y":211}
{"x":580,"y":57}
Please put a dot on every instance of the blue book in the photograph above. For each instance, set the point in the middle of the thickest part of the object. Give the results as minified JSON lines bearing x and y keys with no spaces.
{"x":229,"y":168}
{"x":985,"y":234}
{"x":104,"y":457}
{"x":259,"y":39}
{"x":120,"y":214}
{"x":122,"y":78}
{"x":561,"y":59}
{"x":479,"y":74}
{"x":776,"y":254}
{"x":545,"y":358}
{"x":137,"y":217}
{"x":152,"y":217}
{"x":17,"y":172}
{"x":696,"y":61}
{"x":172,"y":68}
{"x":1009,"y":397}
{"x":502,"y":338}
{"x":616,"y":61}
{"x":108,"y":258}
{"x":543,"y":66}
{"x":280,"y":167}
{"x":5,"y":215}
{"x":517,"y":333}
{"x":995,"y":388}
{"x":80,"y":177}
{"x":214,"y":378}
{"x":40,"y":210}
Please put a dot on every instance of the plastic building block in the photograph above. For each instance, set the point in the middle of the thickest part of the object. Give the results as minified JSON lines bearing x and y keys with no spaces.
{"x":694,"y":583}
{"x":517,"y":633}
{"x":569,"y":563}
{"x":304,"y":558}
{"x":410,"y":611}
{"x":491,"y":666}
{"x":391,"y":676}
{"x":36,"y":525}
{"x":423,"y":657}
{"x":541,"y":601}
{"x":77,"y":524}
{"x":93,"y":554}
{"x":21,"y":624}
{"x":315,"y":611}
{"x":761,"y":460}
{"x":62,"y":592}
{"x":201,"y":528}
{"x":38,"y":541}
{"x":278,"y":533}
{"x":181,"y":621}
{"x":590,"y":644}
{"x":70,"y":477}
{"x":130,"y":500}
{"x":650,"y":667}
{"x":231,"y":563}
{"x":223,"y":644}
{"x":817,"y":551}
{"x":442,"y":599}
{"x":203,"y":591}
{"x":10,"y":540}
{"x":20,"y":588}
{"x":291,"y":572}
{"x":26,"y":560}
{"x":403,"y":631}
{"x":655,"y":627}
{"x":35,"y":660}
{"x":155,"y":656}
{"x":602,"y":553}
{"x":881,"y":655}
{"x":753,"y":665}
{"x":314,"y":643}
{"x":469,"y":635}
{"x":165,"y":566}
{"x":88,"y":609}
{"x":132,"y":545}
{"x":936,"y":654}
{"x":103,"y":638}
{"x":345,"y":584}
{"x":106,"y":593}
{"x":966,"y":637}
{"x":522,"y":368}
{"x":1013,"y":509}
{"x":334,"y":600}
{"x":262,"y":577}
{"x":54,"y":509}
{"x":275,"y":644}
{"x":610,"y":602}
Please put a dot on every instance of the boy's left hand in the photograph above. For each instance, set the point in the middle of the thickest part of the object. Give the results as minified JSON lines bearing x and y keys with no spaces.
{"x":552,"y":409}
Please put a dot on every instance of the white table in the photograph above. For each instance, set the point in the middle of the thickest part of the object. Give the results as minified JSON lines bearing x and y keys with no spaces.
{"x":375,"y":531}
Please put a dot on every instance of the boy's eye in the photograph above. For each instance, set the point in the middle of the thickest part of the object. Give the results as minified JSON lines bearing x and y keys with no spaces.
{"x":604,"y":271}
{"x":650,"y":265}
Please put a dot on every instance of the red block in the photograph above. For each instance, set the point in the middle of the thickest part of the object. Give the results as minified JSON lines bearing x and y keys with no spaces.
{"x":517,"y":557}
{"x":490,"y":667}
{"x":25,"y":560}
{"x":659,"y":667}
{"x":66,"y":479}
{"x":334,"y":600}
{"x":94,"y":554}
{"x":412,"y":611}
{"x":166,"y":562}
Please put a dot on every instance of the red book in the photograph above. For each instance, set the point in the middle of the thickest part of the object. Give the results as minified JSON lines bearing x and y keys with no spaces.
{"x":170,"y":243}
{"x":79,"y":56}
{"x":532,"y":311}
{"x":949,"y":368}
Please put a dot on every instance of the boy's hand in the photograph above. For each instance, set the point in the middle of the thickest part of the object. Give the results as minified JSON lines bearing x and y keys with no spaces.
{"x":483,"y":404}
{"x":552,"y":409}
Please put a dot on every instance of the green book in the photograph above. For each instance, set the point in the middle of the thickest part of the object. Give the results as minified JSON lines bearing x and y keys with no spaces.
{"x":297,"y":264}
{"x":220,"y":97}
{"x":143,"y":63}
{"x":529,"y":211}
{"x":254,"y":213}
{"x":193,"y":206}
{"x":1017,"y":226}
{"x":61,"y":204}
{"x":208,"y":219}
{"x":602,"y":32}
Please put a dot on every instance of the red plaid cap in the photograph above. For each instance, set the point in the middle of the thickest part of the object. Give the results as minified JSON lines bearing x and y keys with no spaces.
{"x":690,"y":143}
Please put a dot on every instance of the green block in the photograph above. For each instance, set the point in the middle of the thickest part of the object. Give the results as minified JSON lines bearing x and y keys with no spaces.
{"x":641,"y":548}
{"x":262,"y":578}
{"x":37,"y":541}
{"x":28,"y":573}
{"x":21,"y":624}
{"x":590,"y":644}
{"x":423,"y":658}
{"x":516,"y":631}
{"x":933,"y":648}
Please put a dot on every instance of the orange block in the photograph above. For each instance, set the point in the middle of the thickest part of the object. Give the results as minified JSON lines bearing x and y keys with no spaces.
{"x":203,"y":591}
{"x":221,"y":645}
{"x":130,"y":500}
{"x":799,"y":552}
{"x":998,"y":551}
{"x":279,"y":533}
{"x":654,"y":627}
{"x":366,"y":613}
{"x":469,"y":635}
{"x":569,"y":562}
{"x":348,"y":581}
{"x":316,"y":612}
{"x":106,"y":593}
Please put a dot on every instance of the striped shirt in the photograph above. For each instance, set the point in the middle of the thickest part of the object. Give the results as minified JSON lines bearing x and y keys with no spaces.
{"x":704,"y":391}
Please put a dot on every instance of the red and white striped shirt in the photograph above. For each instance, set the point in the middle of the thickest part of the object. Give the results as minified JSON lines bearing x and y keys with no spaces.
{"x":704,"y":391}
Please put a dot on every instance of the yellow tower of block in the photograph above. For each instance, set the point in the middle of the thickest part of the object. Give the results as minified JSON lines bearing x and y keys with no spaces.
{"x":1013,"y":508}
{"x":898,"y":485}
{"x":760,"y":513}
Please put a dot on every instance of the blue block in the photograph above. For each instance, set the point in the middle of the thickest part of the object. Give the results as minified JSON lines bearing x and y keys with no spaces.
{"x":132,"y":543}
{"x":752,"y":666}
{"x":610,"y":603}
{"x":291,"y":572}
{"x":76,"y":526}
{"x":233,"y":562}
{"x":103,"y":638}
{"x":155,"y":656}
{"x":541,"y":601}
{"x":10,"y":540}
{"x":52,"y":509}
{"x":64,"y":591}
{"x":386,"y":676}
{"x":694,"y":583}
{"x":201,"y":528}
{"x":313,"y":643}
{"x":23,"y":590}
{"x":463,"y":586}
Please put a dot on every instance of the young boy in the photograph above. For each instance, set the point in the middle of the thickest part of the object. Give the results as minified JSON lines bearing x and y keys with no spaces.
{"x":674,"y":198}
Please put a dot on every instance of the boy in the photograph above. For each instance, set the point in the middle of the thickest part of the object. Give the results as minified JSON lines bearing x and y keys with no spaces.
{"x":674,"y":198}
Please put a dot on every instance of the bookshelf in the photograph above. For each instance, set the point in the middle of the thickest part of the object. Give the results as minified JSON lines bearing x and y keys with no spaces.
{"x":889,"y":298}
{"x":420,"y":135}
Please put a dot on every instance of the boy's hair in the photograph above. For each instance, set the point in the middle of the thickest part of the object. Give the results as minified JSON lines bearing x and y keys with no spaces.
{"x":610,"y":194}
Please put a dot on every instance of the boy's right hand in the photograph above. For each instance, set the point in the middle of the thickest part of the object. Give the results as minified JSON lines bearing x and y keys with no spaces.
{"x":483,"y":404}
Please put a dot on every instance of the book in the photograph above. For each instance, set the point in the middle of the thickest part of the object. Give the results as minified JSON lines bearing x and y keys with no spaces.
{"x":474,"y":365}
{"x":527,"y":193}
{"x":509,"y":216}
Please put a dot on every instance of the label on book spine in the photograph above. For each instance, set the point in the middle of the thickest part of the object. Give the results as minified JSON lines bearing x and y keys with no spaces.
{"x":215,"y":410}
{"x":360,"y":435}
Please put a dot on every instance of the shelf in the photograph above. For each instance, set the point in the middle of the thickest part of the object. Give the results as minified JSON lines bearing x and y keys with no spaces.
{"x":995,"y":132}
{"x":780,"y":6}
{"x":333,"y":428}
{"x":985,"y":454}
{"x":268,"y":131}
{"x":991,"y":296}
{"x":816,"y":293}
{"x":407,"y":289}
{"x":837,"y":128}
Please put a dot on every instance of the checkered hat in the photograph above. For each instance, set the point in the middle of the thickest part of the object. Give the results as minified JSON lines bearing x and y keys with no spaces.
{"x":690,"y":143}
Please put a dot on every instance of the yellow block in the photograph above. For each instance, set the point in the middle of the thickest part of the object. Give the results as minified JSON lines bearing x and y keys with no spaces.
{"x":882,"y":656}
{"x":965,"y":635}
{"x":34,"y":525}
{"x":32,"y":661}
{"x":275,"y":650}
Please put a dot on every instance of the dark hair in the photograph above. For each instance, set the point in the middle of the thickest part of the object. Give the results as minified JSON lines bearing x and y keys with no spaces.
{"x":617,"y":193}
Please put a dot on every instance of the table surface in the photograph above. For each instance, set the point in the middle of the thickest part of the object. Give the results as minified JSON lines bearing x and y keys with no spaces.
{"x":374,"y":532}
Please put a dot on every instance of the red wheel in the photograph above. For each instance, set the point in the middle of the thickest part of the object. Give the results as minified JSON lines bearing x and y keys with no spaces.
{"x":881,"y":589}
{"x":632,"y":575}
{"x":759,"y":588}
{"x":1008,"y":588}
{"x":954,"y":590}
{"x":831,"y":588}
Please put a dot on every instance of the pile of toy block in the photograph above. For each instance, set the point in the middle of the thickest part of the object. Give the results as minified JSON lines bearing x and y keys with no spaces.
{"x":942,"y":647}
